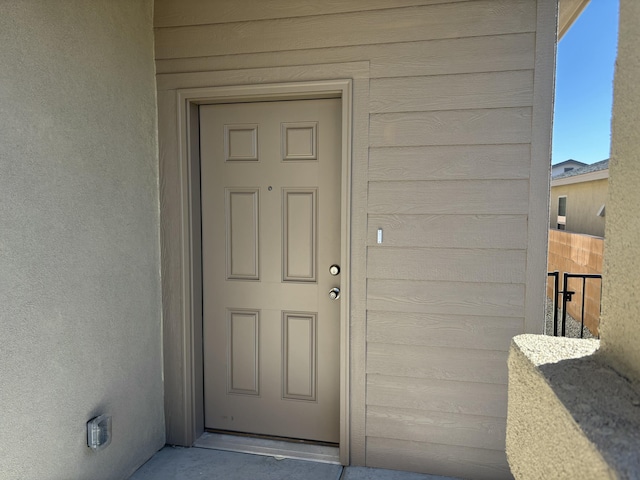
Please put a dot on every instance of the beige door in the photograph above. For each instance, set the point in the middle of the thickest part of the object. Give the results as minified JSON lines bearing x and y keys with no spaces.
{"x":271,"y":187}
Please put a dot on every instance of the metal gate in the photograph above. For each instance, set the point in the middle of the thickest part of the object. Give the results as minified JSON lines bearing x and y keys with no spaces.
{"x":567,"y":296}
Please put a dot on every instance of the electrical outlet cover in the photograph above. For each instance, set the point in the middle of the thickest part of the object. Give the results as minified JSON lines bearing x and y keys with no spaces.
{"x":99,"y":432}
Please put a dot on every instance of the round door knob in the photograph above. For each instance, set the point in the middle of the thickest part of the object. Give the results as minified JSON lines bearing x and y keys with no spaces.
{"x":334,"y":270}
{"x":334,"y":293}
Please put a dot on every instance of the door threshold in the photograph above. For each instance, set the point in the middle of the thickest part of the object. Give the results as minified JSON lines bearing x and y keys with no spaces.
{"x":278,"y":449}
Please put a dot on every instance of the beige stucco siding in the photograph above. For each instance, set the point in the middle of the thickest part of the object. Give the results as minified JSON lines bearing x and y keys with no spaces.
{"x":451,"y":122}
{"x":80,"y":308}
{"x":620,"y":307}
{"x":584,"y":201}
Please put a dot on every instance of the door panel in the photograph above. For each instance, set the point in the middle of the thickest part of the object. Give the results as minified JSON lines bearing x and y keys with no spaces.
{"x":241,"y":225}
{"x":299,"y":227}
{"x":299,"y":363}
{"x":243,"y":368}
{"x":271,"y":187}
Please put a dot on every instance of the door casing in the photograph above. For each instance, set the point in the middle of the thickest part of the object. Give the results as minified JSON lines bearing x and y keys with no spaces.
{"x":188,"y":122}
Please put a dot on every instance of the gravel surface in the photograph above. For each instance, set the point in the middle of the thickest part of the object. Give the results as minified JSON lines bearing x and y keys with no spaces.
{"x":572,"y":326}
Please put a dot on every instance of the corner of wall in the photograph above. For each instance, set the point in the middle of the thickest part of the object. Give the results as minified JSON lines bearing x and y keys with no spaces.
{"x":620,"y":300}
{"x":560,"y":403}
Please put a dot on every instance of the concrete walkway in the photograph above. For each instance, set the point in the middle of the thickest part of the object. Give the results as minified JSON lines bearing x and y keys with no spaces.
{"x":178,"y":463}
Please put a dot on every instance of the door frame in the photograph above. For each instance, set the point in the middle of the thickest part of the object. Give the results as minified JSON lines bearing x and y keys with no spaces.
{"x":188,"y":101}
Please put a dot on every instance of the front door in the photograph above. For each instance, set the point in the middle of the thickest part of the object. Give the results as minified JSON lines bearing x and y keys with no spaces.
{"x":271,"y":186}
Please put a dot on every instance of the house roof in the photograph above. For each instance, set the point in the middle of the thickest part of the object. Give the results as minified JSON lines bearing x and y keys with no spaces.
{"x":594,"y":167}
{"x":588,"y":173}
{"x":571,"y":160}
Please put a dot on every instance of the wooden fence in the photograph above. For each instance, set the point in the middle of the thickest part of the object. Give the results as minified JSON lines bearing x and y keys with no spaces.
{"x":578,"y":253}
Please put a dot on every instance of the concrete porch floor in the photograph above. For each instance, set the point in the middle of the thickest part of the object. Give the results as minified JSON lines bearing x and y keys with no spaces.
{"x":178,"y":463}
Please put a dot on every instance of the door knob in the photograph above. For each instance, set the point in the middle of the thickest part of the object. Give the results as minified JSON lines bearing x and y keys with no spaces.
{"x":334,"y":293}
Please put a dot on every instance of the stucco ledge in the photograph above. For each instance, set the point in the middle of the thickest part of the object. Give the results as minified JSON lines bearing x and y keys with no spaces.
{"x":570,"y":415}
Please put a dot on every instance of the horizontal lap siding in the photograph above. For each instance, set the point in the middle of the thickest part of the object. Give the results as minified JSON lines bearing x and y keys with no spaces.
{"x":170,"y":13}
{"x":450,"y":109}
{"x":435,"y":427}
{"x":485,"y":299}
{"x":452,"y":92}
{"x":463,"y":462}
{"x":442,"y":330}
{"x":451,"y":20}
{"x":478,"y":197}
{"x":458,"y":127}
{"x":434,"y":395}
{"x":458,"y":162}
{"x":450,"y":231}
{"x":432,"y":57}
{"x":442,"y":363}
{"x":447,"y":264}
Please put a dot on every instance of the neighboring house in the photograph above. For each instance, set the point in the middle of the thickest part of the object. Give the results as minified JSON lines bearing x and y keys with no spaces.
{"x":150,"y":242}
{"x":565,"y":167}
{"x":578,"y":198}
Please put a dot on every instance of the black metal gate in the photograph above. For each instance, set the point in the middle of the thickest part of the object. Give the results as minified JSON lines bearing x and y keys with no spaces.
{"x":567,"y":296}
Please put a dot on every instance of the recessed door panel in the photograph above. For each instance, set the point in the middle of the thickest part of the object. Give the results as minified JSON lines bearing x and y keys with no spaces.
{"x":299,"y":141}
{"x":299,"y":355}
{"x":242,"y":220}
{"x":271,"y":193}
{"x":243,"y":374}
{"x":299,"y":221}
{"x":241,"y":143}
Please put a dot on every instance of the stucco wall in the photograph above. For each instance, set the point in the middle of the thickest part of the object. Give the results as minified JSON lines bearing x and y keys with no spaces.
{"x":542,"y":435}
{"x":621,"y":302}
{"x":560,"y":403}
{"x":80,"y":307}
{"x":583,"y":203}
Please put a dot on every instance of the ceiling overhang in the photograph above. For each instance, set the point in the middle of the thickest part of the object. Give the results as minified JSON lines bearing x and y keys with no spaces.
{"x":568,"y":12}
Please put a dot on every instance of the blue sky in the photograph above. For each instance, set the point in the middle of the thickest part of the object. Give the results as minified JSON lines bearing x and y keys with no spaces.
{"x":584,"y":85}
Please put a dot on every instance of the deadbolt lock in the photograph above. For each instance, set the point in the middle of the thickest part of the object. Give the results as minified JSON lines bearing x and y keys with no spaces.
{"x":334,"y":269}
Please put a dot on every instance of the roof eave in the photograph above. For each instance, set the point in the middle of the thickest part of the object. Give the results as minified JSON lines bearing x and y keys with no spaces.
{"x":568,"y":13}
{"x":585,"y":177}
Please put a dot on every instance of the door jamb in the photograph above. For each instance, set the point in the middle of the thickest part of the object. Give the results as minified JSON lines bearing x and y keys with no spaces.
{"x":188,"y":101}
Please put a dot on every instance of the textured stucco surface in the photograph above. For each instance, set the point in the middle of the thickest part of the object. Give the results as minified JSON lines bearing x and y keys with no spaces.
{"x":570,"y":414}
{"x":620,"y":322}
{"x":80,"y":303}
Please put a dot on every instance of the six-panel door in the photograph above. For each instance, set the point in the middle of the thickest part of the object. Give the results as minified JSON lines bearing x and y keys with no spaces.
{"x":271,"y":187}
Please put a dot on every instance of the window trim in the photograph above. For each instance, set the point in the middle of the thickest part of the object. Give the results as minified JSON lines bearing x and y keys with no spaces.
{"x":562,"y":219}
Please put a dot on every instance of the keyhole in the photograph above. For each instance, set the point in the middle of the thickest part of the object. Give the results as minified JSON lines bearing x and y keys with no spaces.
{"x":270,"y":188}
